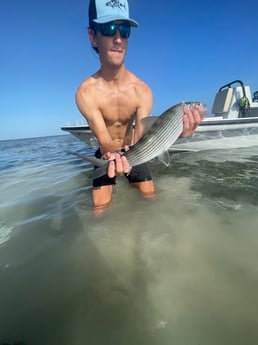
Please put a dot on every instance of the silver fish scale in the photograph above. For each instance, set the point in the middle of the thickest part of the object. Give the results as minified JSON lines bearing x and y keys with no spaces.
{"x":159,"y":138}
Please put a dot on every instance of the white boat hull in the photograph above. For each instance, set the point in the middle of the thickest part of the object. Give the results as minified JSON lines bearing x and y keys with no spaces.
{"x":215,"y":134}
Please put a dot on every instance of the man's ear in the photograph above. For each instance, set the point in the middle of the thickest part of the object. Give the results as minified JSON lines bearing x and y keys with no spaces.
{"x":92,"y":37}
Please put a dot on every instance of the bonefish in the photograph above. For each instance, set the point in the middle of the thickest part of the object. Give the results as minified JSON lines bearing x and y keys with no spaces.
{"x":155,"y":142}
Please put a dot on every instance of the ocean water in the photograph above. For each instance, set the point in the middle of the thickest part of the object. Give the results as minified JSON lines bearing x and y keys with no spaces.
{"x":178,"y":270}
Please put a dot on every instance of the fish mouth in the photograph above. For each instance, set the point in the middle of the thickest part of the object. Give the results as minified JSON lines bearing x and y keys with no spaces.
{"x":202,"y":111}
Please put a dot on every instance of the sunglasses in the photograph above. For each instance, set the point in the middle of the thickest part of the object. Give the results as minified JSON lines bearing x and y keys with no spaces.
{"x":110,"y":29}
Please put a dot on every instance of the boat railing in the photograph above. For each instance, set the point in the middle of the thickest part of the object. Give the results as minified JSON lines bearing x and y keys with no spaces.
{"x":229,"y":85}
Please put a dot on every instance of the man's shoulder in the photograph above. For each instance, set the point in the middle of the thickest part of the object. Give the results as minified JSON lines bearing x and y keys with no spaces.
{"x":139,"y":84}
{"x":86,"y":94}
{"x":87,"y":85}
{"x":134,"y":78}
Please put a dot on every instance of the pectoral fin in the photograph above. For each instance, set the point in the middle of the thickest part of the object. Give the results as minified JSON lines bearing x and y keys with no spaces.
{"x":164,"y":158}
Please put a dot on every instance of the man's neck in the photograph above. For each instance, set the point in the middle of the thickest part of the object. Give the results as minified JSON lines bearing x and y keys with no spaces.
{"x":112,"y":74}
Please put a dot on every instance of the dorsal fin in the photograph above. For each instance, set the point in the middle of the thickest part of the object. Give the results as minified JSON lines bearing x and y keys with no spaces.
{"x":147,"y":122}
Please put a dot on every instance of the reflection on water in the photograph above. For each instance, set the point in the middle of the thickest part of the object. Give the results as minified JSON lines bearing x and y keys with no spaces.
{"x":180,"y":270}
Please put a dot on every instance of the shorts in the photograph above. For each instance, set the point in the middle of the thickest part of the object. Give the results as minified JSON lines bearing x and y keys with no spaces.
{"x":138,"y":173}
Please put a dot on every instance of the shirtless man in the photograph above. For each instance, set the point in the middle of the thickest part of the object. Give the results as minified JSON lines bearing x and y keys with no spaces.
{"x":113,"y":98}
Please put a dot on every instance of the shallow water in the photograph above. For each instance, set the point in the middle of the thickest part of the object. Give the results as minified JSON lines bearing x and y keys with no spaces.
{"x":180,"y":270}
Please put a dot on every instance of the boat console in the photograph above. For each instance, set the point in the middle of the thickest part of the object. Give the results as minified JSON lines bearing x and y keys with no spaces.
{"x":235,"y":102}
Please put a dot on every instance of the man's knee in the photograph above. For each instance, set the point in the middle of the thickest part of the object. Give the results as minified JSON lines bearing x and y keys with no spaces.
{"x":146,"y":188}
{"x":101,"y":196}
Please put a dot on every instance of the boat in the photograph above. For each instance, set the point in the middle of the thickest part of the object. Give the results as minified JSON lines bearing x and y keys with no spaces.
{"x":232,"y":124}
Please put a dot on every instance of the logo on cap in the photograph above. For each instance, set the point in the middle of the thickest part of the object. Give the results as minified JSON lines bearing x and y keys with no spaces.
{"x":116,"y":3}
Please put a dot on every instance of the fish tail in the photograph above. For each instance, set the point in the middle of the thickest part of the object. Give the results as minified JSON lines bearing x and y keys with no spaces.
{"x":100,"y":171}
{"x":100,"y":163}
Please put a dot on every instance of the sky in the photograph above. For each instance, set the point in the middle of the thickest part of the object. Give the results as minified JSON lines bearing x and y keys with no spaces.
{"x":183,"y":49}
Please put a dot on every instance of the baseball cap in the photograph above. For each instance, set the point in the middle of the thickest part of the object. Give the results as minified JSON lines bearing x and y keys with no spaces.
{"x":104,"y":11}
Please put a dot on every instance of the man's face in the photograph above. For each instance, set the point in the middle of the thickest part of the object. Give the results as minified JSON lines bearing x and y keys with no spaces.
{"x":112,"y":49}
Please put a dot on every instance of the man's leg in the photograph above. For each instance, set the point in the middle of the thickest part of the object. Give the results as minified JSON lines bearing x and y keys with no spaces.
{"x":146,"y":189}
{"x":141,"y":178}
{"x":101,"y":198}
{"x":102,"y":191}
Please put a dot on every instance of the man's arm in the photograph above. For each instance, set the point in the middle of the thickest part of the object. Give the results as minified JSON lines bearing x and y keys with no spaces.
{"x":86,"y":102}
{"x":145,"y":101}
{"x":88,"y":106}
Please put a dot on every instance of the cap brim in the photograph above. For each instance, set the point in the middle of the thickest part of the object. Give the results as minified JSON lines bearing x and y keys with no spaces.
{"x":107,"y":19}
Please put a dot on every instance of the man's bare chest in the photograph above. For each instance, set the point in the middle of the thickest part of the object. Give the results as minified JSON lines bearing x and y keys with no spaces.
{"x":117,"y":106}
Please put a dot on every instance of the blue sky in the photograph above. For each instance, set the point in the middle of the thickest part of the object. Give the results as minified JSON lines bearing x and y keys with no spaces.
{"x":184,"y":50}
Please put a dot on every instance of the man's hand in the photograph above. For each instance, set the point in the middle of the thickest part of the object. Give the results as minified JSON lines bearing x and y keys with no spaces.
{"x":191,"y":120}
{"x":118,"y":163}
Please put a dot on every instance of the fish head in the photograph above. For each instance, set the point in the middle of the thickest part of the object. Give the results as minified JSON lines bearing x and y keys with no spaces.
{"x":201,"y":107}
